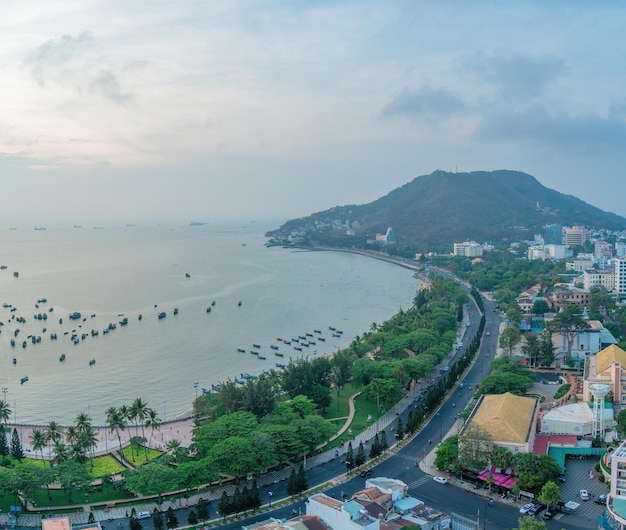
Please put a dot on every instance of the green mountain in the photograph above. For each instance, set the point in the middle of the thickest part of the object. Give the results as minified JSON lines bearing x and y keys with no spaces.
{"x":443,"y":208}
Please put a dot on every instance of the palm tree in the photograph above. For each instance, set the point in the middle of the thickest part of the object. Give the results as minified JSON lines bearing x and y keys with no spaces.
{"x":83,"y":421}
{"x":71,"y":434}
{"x":60,"y":453}
{"x":172,"y":447}
{"x":89,"y":440}
{"x":53,"y":434}
{"x":115,"y":422}
{"x":125,"y":414}
{"x":153,"y":421}
{"x":38,"y":441}
{"x":5,"y":413}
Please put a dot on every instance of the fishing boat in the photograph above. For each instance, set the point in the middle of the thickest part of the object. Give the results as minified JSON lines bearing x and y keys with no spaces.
{"x":331,"y":328}
{"x":187,"y":275}
{"x":321,"y":339}
{"x":280,"y":365}
{"x":240,"y":381}
{"x":14,"y":360}
{"x":162,"y":314}
{"x":309,"y":334}
{"x":241,"y":350}
{"x":256,"y":345}
{"x":176,"y":311}
{"x":239,"y":303}
{"x":215,"y":388}
{"x":278,"y":354}
{"x":254,"y":352}
{"x":336,"y":335}
{"x":298,"y":348}
{"x":92,"y":362}
{"x":208,"y":309}
{"x":205,"y":390}
{"x":274,"y":347}
{"x":317,"y":330}
{"x":262,"y":357}
{"x":287,"y":342}
{"x":140,"y":316}
{"x":62,"y":358}
{"x":23,"y":380}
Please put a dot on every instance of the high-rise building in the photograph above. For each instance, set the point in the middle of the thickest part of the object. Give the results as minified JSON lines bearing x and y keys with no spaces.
{"x":576,"y":236}
{"x":620,"y":277}
{"x":553,"y":234}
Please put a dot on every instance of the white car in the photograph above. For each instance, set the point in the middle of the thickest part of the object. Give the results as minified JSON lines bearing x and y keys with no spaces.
{"x":143,"y":515}
{"x":441,"y":480}
{"x":584,"y":495}
{"x":526,"y":508}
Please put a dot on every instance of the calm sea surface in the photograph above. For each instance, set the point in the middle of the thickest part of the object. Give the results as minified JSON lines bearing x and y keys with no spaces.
{"x":113,"y":273}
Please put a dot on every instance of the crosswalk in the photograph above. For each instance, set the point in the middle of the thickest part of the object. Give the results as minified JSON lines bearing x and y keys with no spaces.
{"x":420,"y":482}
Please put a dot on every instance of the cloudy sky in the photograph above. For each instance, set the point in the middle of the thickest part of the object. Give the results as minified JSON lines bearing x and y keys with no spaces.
{"x":205,"y":110}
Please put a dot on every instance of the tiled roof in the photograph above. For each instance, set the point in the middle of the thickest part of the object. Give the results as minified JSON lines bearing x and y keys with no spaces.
{"x":609,"y":355}
{"x":506,"y":417}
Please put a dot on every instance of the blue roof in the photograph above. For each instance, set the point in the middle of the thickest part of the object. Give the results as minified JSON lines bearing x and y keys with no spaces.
{"x":406,"y":504}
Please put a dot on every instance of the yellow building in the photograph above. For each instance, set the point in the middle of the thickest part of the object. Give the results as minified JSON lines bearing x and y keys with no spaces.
{"x":509,"y":420}
{"x":607,"y":367}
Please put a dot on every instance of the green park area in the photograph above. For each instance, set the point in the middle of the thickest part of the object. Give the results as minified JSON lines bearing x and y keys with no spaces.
{"x":271,"y":421}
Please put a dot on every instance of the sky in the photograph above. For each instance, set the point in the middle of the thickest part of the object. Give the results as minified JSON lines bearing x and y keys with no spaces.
{"x":117,"y":111}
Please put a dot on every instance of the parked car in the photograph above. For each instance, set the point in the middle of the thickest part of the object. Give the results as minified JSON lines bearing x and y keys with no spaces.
{"x":548,"y":515}
{"x":537,"y":508}
{"x":524,"y":510}
{"x":440,"y":480}
{"x":584,"y":495}
{"x":365,"y":473}
{"x":143,"y":515}
{"x":601,"y":499}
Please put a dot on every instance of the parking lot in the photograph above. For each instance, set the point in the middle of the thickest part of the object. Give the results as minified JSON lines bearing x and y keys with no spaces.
{"x":577,"y":478}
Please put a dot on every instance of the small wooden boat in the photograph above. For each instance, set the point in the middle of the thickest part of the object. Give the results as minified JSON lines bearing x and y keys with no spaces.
{"x":92,"y":362}
{"x":23,"y":380}
{"x":62,"y":358}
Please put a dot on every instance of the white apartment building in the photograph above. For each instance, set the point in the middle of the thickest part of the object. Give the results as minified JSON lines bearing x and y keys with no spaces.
{"x":599,"y":278}
{"x":580,"y":263}
{"x":468,"y":248}
{"x":620,"y":277}
{"x":536,"y":252}
{"x":556,"y":252}
{"x":620,"y":249}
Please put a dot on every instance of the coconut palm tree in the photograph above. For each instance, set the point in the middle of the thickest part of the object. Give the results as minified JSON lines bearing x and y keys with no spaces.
{"x":153,"y":421}
{"x":5,"y":413}
{"x":60,"y":453}
{"x":173,"y":447}
{"x":83,"y":421}
{"x":89,"y":440}
{"x":38,"y":441}
{"x":54,"y":434}
{"x":115,"y":422}
{"x":71,"y":434}
{"x":125,"y":414}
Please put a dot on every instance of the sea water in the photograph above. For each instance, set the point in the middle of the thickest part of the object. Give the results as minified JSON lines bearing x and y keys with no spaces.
{"x":111,"y":273}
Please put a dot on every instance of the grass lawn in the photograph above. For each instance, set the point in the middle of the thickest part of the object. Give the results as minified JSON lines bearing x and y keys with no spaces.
{"x":104,"y":466}
{"x":130,"y":455}
{"x":59,"y":497}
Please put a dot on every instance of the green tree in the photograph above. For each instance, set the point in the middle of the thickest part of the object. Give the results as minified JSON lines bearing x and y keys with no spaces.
{"x":16,"y":446}
{"x":375,"y":448}
{"x":4,"y":445}
{"x":475,"y":446}
{"x":400,"y":429}
{"x":71,"y":476}
{"x":447,"y":455}
{"x":569,"y":322}
{"x":350,"y":457}
{"x":255,"y":495}
{"x":550,"y":494}
{"x":151,"y":479}
{"x":203,"y":509}
{"x":514,"y":313}
{"x":621,"y":423}
{"x":157,"y":519}
{"x":224,"y":506}
{"x":540,"y":307}
{"x":292,"y":483}
{"x":302,"y":482}
{"x":134,"y":523}
{"x":383,"y":442}
{"x":530,"y":523}
{"x":171,"y":521}
{"x":38,"y":441}
{"x":192,"y":518}
{"x":5,"y":413}
{"x":510,"y":337}
{"x":54,"y":434}
{"x":360,"y":458}
{"x":116,"y":422}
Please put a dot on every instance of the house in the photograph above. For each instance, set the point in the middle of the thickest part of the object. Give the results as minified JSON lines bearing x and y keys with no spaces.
{"x":608,"y":367}
{"x":509,"y":420}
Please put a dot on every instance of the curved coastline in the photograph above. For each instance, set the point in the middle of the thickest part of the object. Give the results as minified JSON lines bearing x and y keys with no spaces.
{"x":181,"y":427}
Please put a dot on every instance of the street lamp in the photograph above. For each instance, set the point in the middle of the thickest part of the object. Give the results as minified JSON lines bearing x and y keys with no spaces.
{"x":195,"y":385}
{"x":4,"y":391}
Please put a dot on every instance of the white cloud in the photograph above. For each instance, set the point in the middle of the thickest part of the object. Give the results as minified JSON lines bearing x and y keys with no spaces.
{"x":289,"y":96}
